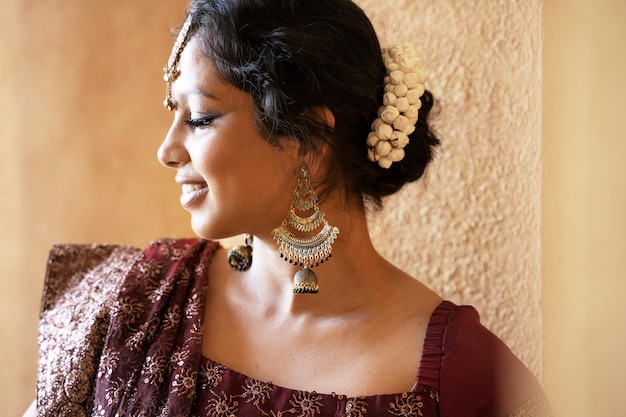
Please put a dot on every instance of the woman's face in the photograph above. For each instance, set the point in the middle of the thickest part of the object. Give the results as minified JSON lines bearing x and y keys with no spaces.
{"x":233,"y":181}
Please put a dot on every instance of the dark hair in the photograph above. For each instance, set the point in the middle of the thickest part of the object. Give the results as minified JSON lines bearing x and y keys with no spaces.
{"x":296,"y":57}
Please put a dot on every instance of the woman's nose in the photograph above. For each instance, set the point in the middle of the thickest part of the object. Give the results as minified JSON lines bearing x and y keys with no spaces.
{"x":172,"y":152}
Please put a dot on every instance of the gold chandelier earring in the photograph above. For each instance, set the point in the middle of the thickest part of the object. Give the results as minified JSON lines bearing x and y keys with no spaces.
{"x":307,"y":252}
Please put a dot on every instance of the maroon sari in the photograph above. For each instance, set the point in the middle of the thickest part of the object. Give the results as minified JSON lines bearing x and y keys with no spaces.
{"x":121,"y":335}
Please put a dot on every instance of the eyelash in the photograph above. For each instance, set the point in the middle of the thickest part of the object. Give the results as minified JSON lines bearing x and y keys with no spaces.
{"x":201,"y":121}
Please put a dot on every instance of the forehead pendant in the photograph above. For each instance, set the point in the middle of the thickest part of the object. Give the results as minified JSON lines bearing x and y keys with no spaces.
{"x":170,"y":71}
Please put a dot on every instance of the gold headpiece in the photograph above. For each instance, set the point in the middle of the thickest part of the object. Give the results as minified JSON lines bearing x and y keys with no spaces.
{"x":170,"y":70}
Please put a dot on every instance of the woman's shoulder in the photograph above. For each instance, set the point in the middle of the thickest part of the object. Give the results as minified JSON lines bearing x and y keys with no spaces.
{"x":174,"y":250}
{"x":103,"y":267}
{"x":82,"y":282}
{"x":89,"y":289}
{"x":478,"y":368}
{"x":72,"y":266}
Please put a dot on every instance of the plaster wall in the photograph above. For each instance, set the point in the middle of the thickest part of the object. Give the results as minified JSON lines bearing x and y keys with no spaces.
{"x":80,"y":122}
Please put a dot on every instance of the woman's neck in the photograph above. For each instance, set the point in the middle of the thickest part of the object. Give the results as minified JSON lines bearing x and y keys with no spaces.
{"x":354,"y":271}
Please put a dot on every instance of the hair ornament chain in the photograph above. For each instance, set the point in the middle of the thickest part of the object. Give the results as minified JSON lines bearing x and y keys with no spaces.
{"x":170,"y":71}
{"x":404,"y":85}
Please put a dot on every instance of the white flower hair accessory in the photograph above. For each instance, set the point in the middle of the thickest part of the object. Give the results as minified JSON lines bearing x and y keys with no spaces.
{"x":404,"y":85}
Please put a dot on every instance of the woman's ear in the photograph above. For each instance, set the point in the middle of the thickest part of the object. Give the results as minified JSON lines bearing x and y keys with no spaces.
{"x":317,"y":158}
{"x":317,"y":161}
{"x":328,"y":117}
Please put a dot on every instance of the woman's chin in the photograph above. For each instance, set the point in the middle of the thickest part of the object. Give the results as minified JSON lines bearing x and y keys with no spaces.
{"x":208,"y":231}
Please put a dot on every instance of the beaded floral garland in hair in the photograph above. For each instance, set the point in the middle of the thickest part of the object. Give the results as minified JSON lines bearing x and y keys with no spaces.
{"x":404,"y":85}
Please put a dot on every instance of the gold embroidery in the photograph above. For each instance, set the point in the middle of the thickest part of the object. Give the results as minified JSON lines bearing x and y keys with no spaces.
{"x":407,"y":406}
{"x":153,"y":369}
{"x":82,"y":282}
{"x":222,"y":406}
{"x":185,"y":382}
{"x":257,"y":392}
{"x":211,"y":375}
{"x":355,"y":408}
{"x":308,"y":403}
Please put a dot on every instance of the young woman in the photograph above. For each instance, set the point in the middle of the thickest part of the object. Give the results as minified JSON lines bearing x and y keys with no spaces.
{"x":290,"y":122}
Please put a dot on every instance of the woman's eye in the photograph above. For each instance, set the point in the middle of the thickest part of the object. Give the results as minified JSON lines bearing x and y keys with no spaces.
{"x":200,"y":121}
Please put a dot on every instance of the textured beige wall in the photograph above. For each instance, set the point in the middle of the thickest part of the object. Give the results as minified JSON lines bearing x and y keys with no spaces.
{"x":471,"y":230}
{"x":81,"y":120}
{"x":12,"y":378}
{"x":584,"y":206}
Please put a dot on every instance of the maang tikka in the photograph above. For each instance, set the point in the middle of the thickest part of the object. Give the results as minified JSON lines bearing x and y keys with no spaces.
{"x":306,"y":252}
{"x":170,"y":71}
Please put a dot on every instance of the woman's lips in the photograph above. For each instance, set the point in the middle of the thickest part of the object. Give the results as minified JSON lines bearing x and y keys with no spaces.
{"x":192,"y":193}
{"x":190,"y":188}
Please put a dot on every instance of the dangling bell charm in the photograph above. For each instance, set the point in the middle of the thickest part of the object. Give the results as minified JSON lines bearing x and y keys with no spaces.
{"x":305,"y":282}
{"x":240,"y":257}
